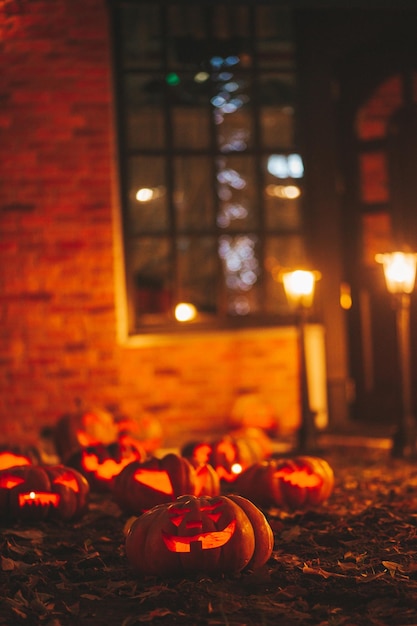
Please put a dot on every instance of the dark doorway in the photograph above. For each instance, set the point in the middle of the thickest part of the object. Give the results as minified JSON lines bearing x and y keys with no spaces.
{"x":378,"y":147}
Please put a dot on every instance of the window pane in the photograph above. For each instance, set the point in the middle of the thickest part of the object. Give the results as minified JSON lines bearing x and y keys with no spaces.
{"x":197,"y":270}
{"x":232,"y":113}
{"x":191,"y":127}
{"x":141,"y":39}
{"x":193,"y":195}
{"x":277,"y":99}
{"x":144,"y":112}
{"x":151,"y":264}
{"x":236,"y":191}
{"x":148,"y":201}
{"x":274,"y":37}
{"x":241,"y":269}
{"x":282,"y":196}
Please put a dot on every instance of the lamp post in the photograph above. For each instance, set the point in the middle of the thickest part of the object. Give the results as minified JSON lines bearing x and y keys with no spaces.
{"x":400,"y":272}
{"x":299,"y":288}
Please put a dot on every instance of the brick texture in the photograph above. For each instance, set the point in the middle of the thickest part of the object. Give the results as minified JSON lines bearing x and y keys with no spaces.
{"x":58,"y":331}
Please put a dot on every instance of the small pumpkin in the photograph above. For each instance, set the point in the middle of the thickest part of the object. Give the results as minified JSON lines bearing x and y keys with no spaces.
{"x":252,"y":410}
{"x":145,"y":429}
{"x":11,"y":456}
{"x":74,"y":431}
{"x":211,"y":535}
{"x":100,"y":464}
{"x":233,"y":452}
{"x":142,"y":485}
{"x":294,"y":483}
{"x":38,"y":492}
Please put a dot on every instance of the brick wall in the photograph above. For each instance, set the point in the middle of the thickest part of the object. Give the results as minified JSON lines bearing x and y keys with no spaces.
{"x":58,"y":332}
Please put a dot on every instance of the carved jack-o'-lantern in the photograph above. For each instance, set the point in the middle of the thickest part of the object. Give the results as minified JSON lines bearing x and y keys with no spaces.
{"x":11,"y":456}
{"x":232,"y":453}
{"x":294,"y":483}
{"x":145,"y":429}
{"x":35,"y":492}
{"x":199,"y":535}
{"x":100,"y":464}
{"x":142,"y":485}
{"x":78,"y":430}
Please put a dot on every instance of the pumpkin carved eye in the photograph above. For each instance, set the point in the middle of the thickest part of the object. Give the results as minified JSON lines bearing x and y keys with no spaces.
{"x":9,"y":482}
{"x":155,"y":479}
{"x":68,"y":480}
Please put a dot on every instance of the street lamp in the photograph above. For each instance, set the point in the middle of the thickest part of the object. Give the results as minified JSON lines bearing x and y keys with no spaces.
{"x":400,"y":273}
{"x":299,"y":288}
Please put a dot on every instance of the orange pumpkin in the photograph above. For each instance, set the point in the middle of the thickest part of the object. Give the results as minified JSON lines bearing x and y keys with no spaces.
{"x":11,"y":456}
{"x":145,"y":429}
{"x":232,"y":453}
{"x":38,"y":492}
{"x":224,"y":534}
{"x":100,"y":464}
{"x":293,"y":483}
{"x":143,"y":485}
{"x":78,"y":430}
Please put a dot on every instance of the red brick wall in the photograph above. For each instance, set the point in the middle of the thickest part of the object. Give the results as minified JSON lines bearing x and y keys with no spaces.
{"x":58,"y":332}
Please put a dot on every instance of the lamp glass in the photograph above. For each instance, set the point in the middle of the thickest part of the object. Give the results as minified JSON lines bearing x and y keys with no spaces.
{"x":399,"y":270}
{"x":299,"y":287}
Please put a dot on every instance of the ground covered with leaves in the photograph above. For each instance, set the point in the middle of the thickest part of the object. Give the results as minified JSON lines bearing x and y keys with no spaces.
{"x":350,"y":562}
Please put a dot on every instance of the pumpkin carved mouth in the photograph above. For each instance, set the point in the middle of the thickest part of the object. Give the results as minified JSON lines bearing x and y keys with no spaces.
{"x":207,"y":540}
{"x":39,"y":498}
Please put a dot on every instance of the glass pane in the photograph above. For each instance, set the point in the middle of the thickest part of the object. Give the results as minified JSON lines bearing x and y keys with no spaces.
{"x":282,"y":198}
{"x":144,"y":111}
{"x":241,"y":269}
{"x":193,"y":193}
{"x":141,"y":39}
{"x":187,"y":32}
{"x":275,"y":37}
{"x":281,"y":253}
{"x":236,"y":193}
{"x":197,"y":270}
{"x":151,"y":265}
{"x":232,"y":111}
{"x":276,"y":98}
{"x":147,"y":201}
{"x":191,"y":127}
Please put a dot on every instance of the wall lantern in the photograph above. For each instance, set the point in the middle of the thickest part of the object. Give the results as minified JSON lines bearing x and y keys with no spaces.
{"x":400,"y":272}
{"x":299,"y":287}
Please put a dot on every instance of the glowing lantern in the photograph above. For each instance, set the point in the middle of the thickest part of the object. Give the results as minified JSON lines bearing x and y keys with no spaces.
{"x":11,"y":456}
{"x":82,"y":429}
{"x":223,"y":534}
{"x":146,"y":430}
{"x":101,"y":464}
{"x":37,"y":492}
{"x":143,"y":485}
{"x":232,"y":453}
{"x":294,"y":483}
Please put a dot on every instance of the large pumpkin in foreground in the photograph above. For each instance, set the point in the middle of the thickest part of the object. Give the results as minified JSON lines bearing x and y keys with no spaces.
{"x":38,"y":492}
{"x":223,"y":534}
{"x":294,"y":483}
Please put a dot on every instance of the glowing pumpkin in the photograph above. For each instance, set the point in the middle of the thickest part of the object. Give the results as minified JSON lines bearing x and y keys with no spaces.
{"x":142,"y":485}
{"x":37,"y":492}
{"x":293,"y":483}
{"x":232,"y":453}
{"x":82,"y":429}
{"x":251,"y":410}
{"x":145,"y":429}
{"x":100,"y":464}
{"x":16,"y":455}
{"x":224,"y":534}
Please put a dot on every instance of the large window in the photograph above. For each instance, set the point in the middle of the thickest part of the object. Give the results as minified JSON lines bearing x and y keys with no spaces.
{"x":211,"y":176}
